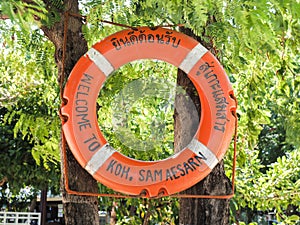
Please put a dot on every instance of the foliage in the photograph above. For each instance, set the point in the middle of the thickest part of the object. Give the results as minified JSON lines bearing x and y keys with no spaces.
{"x":263,"y":59}
{"x":28,"y":92}
{"x":136,"y":109}
{"x":272,"y":141}
{"x":20,"y":170}
{"x":153,"y":211}
{"x":257,"y":42}
{"x":264,"y":74}
{"x":16,"y":202}
{"x":29,"y":102}
{"x":33,"y":12}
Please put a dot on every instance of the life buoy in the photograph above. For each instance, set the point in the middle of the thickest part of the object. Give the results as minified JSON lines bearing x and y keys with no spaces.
{"x":153,"y":178}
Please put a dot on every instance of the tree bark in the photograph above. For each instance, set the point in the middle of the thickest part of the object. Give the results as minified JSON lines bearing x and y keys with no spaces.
{"x":43,"y":206}
{"x":113,"y":214}
{"x":198,"y":211}
{"x":78,"y":210}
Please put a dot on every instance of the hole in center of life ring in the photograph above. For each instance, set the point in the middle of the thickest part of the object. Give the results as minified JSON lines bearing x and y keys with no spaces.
{"x":137,"y":106}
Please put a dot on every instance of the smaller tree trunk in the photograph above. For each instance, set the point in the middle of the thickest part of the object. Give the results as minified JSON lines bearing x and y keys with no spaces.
{"x":113,"y":214}
{"x":194,"y":211}
{"x":43,"y":206}
{"x":78,"y":210}
{"x":33,"y":204}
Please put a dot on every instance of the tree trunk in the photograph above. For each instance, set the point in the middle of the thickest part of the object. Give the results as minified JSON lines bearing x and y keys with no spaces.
{"x":78,"y":210}
{"x":43,"y":206}
{"x":33,"y":204}
{"x":198,"y":211}
{"x":113,"y":214}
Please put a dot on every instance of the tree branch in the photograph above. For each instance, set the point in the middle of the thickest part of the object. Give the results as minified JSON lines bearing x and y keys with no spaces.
{"x":3,"y":181}
{"x":3,"y":17}
{"x":28,"y":2}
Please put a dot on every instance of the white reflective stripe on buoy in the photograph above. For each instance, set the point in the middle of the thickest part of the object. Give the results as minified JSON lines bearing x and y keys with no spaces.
{"x":192,"y":58}
{"x":202,"y":151}
{"x":99,"y":158}
{"x":101,"y":62}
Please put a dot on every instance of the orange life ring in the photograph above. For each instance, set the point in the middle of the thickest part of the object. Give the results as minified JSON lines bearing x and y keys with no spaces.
{"x":154,"y":178}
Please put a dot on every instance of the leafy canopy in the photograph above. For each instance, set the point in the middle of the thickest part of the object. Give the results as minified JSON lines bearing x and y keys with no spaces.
{"x":257,"y":42}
